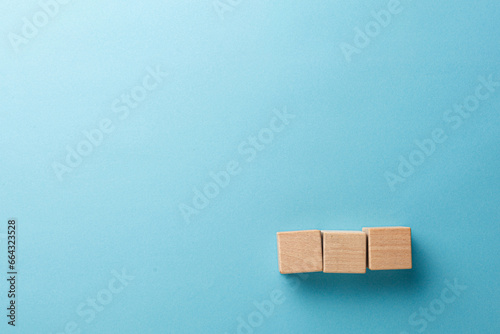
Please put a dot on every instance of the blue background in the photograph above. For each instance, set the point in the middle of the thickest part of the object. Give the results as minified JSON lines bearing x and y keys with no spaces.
{"x":119,"y":209}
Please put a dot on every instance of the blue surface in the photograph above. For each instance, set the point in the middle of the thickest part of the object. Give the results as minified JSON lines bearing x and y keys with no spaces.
{"x":226,"y":72}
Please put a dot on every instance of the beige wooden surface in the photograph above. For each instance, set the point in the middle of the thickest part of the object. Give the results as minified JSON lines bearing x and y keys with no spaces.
{"x":300,"y":251}
{"x":344,"y":252}
{"x":389,"y":248}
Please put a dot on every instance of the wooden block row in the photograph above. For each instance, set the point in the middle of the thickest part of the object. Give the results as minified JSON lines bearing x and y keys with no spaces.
{"x":381,"y":248}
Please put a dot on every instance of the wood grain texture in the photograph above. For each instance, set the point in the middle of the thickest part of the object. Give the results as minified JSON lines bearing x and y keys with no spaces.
{"x":300,"y":251}
{"x":344,"y":252}
{"x":389,"y":248}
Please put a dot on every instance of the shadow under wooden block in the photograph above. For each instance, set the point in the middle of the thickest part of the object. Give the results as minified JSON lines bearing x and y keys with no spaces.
{"x":300,"y":251}
{"x":344,"y":252}
{"x":389,"y":248}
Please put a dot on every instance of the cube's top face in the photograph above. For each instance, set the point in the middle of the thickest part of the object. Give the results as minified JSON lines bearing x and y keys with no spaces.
{"x":300,"y":251}
{"x":389,"y":248}
{"x":344,"y":252}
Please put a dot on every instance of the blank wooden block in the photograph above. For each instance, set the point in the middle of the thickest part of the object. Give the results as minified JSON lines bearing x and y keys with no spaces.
{"x":344,"y":252}
{"x":389,"y":247}
{"x":300,"y":251}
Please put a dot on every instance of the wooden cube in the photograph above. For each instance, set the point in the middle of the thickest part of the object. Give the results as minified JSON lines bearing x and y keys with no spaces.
{"x":344,"y":252}
{"x":389,"y":248}
{"x":300,"y":251}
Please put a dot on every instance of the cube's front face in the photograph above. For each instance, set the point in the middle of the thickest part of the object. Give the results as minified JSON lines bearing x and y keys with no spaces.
{"x":389,"y":248}
{"x":300,"y":252}
{"x":344,"y":252}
